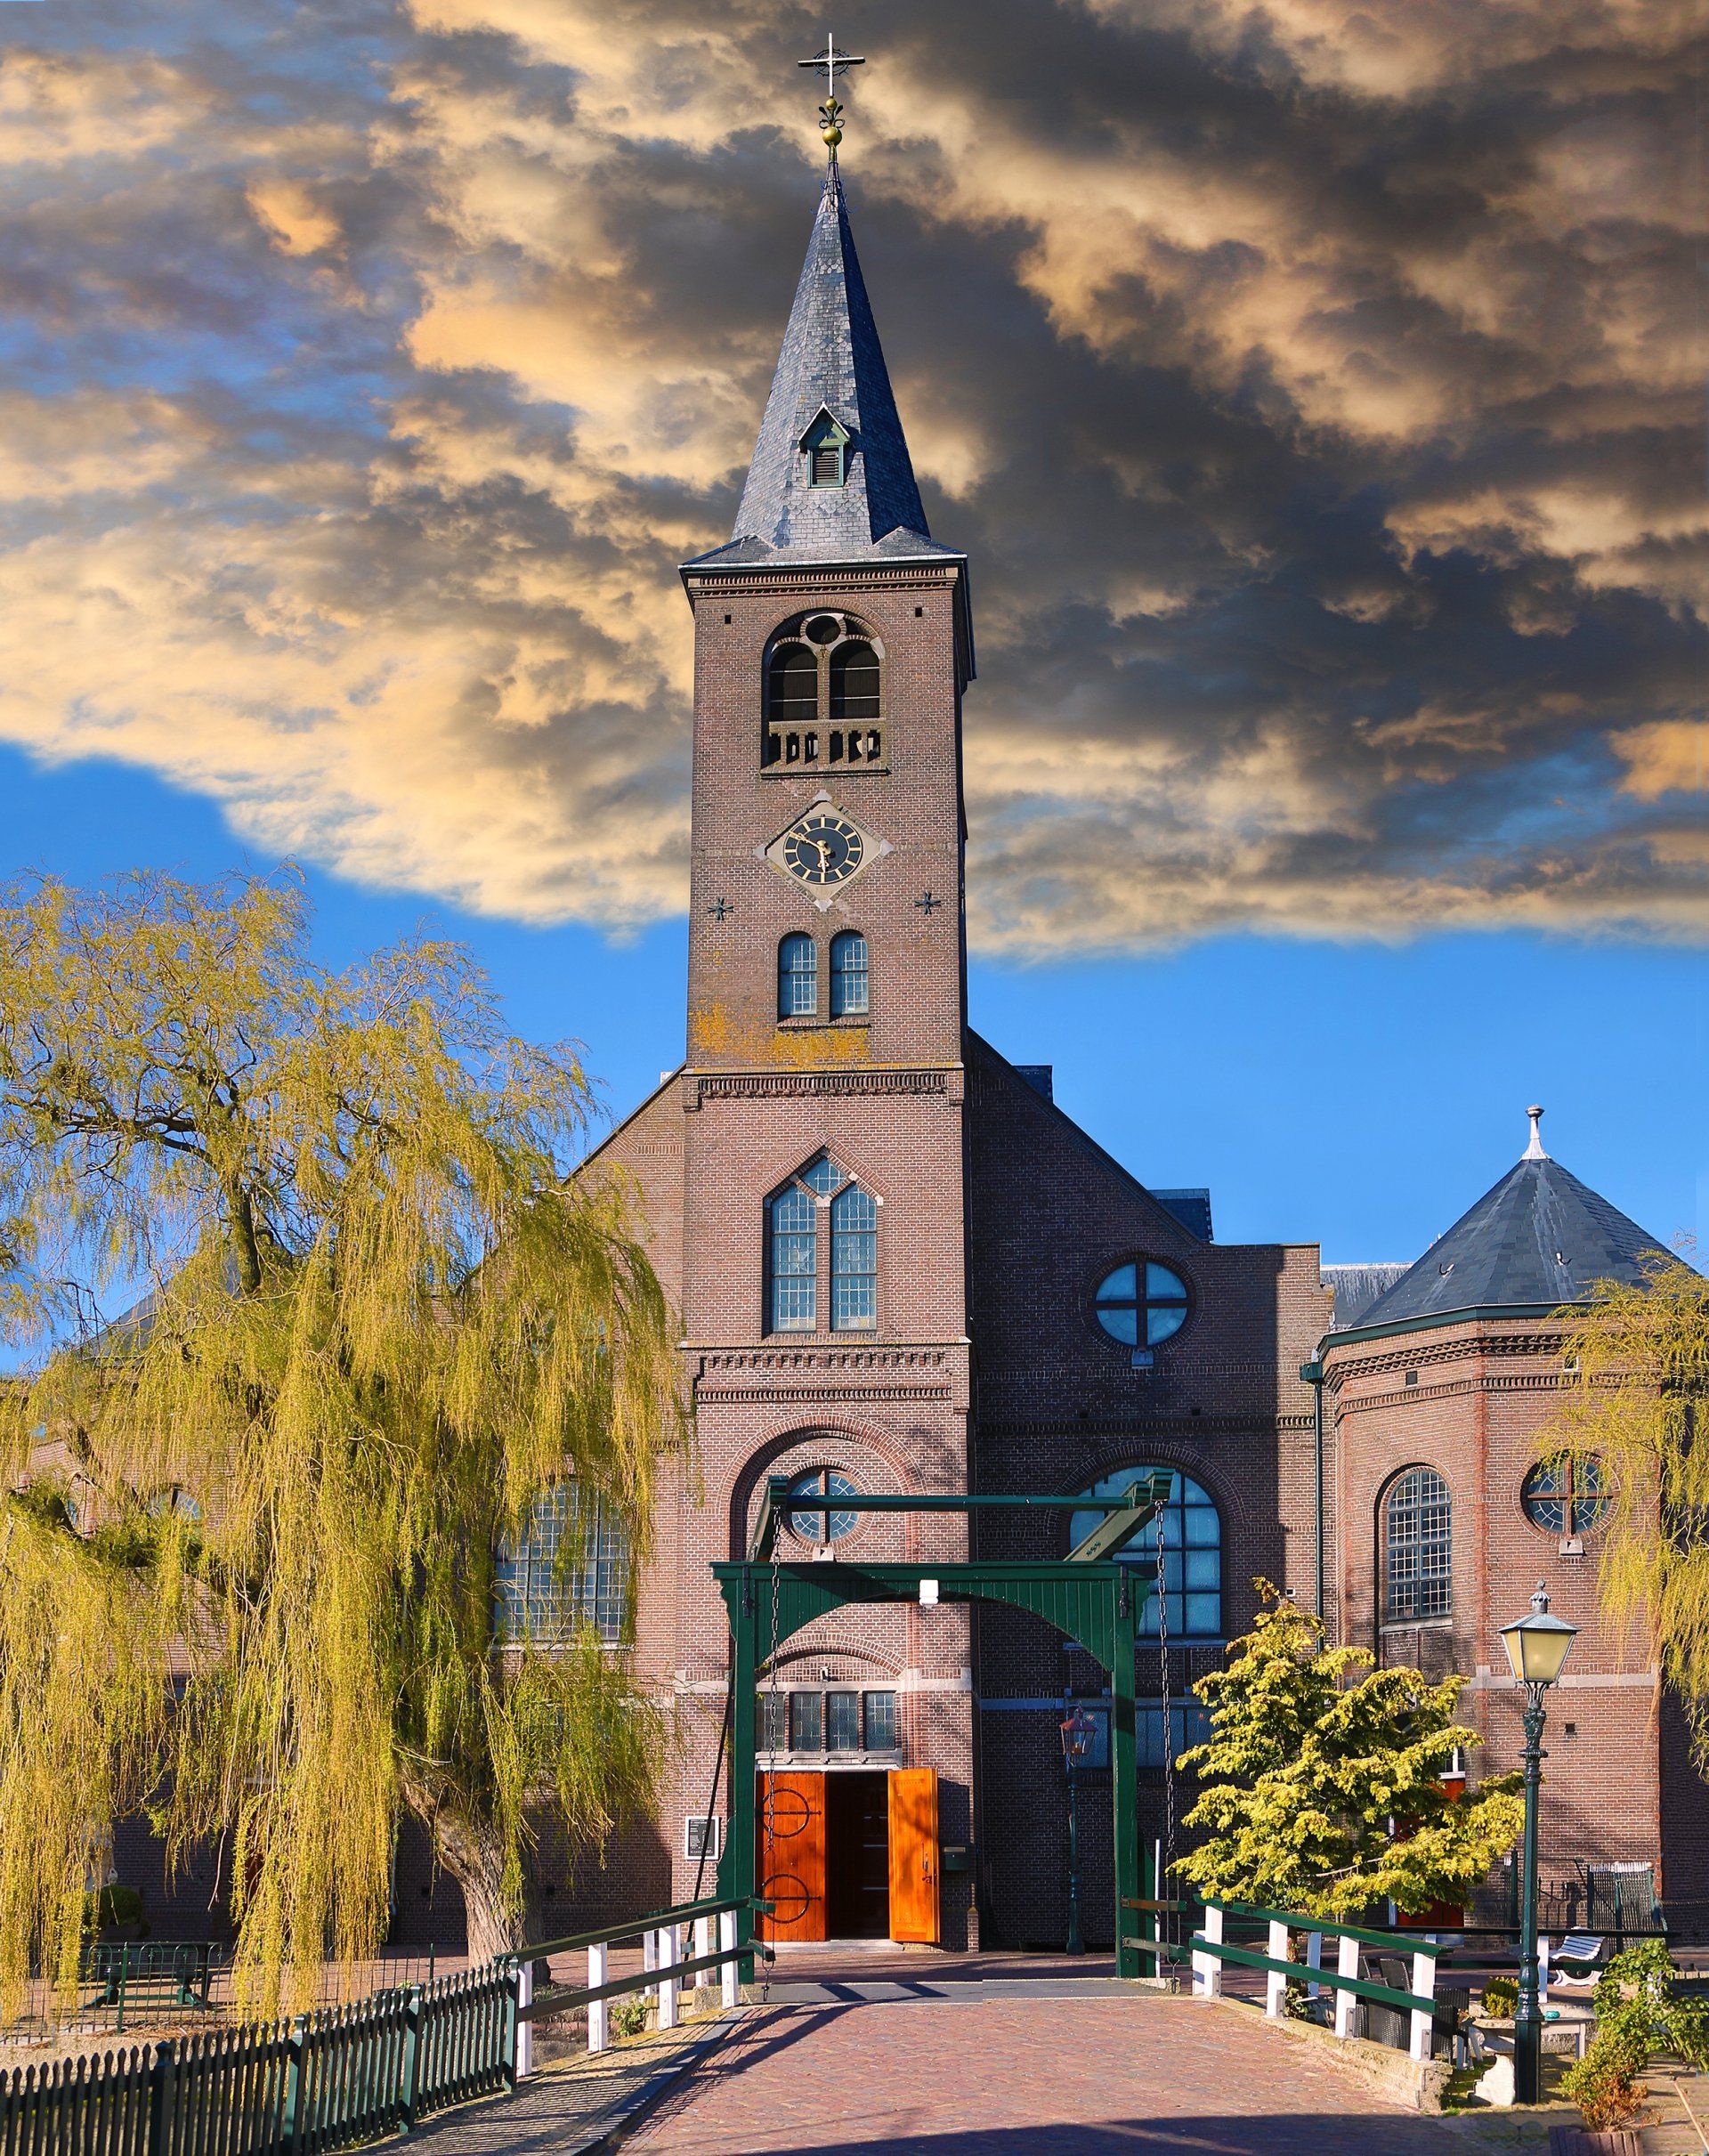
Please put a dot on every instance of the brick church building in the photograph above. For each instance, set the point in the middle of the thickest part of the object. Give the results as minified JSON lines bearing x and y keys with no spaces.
{"x":902,"y":1267}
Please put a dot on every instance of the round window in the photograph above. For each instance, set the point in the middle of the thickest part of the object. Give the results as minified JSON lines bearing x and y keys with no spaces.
{"x":823,"y":1522}
{"x":1566,"y":1496}
{"x":1141,"y":1304}
{"x":824,"y":628}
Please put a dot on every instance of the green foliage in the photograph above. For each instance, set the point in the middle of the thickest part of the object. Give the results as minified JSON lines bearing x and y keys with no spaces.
{"x":113,"y":1906}
{"x":1501,"y":1998}
{"x":1641,"y":2016}
{"x":1639,"y":1356}
{"x":1312,"y":1753}
{"x":376,"y":1320}
{"x":628,"y":2016}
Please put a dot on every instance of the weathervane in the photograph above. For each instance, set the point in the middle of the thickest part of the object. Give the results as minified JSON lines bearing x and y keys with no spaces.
{"x":831,"y":111}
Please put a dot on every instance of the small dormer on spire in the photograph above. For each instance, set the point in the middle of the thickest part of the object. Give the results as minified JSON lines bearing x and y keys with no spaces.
{"x":1534,"y":1151}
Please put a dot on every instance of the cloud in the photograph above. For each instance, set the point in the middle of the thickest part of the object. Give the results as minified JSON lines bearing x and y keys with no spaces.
{"x":1314,"y":389}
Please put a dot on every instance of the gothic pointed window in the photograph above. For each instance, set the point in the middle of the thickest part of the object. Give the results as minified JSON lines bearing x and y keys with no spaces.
{"x":795,"y":1291}
{"x":848,"y":975}
{"x":798,"y":976}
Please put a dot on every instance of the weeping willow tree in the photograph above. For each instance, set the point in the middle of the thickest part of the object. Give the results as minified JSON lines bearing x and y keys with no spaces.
{"x":1631,"y":1426}
{"x":248,"y":1531}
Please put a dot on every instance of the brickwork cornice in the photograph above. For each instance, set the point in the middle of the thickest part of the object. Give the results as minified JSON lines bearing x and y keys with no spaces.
{"x":866,"y":1083}
{"x":1348,"y":1362}
{"x":1165,"y":1426}
{"x":824,"y":1375}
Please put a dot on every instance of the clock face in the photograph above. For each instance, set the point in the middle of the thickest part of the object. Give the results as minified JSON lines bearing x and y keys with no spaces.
{"x":822,"y":848}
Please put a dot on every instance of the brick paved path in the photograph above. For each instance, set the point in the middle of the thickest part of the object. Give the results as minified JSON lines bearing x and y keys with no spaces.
{"x":1038,"y":2077}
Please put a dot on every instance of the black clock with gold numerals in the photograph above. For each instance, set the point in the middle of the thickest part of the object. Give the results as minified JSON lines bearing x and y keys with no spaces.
{"x":823,"y":849}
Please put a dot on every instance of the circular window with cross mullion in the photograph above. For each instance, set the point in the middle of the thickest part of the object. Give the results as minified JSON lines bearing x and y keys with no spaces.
{"x":1141,"y":1304}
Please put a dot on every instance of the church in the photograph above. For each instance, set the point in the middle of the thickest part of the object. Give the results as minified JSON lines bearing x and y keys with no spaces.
{"x":902,"y":1268}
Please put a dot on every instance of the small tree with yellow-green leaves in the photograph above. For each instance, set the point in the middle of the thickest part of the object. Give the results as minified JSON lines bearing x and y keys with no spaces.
{"x":1636,"y":1405}
{"x":1321,"y":1780}
{"x":248,"y":1531}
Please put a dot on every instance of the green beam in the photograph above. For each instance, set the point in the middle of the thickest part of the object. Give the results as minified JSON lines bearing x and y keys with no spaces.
{"x":776,"y":1504}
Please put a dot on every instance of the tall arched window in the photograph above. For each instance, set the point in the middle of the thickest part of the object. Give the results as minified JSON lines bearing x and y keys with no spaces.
{"x":793,"y":1288}
{"x":1418,"y":1547}
{"x":848,"y":975}
{"x":855,"y":682}
{"x":792,"y":685}
{"x":853,"y":1261}
{"x":566,"y":1570}
{"x":798,"y":976}
{"x":1192,"y":1531}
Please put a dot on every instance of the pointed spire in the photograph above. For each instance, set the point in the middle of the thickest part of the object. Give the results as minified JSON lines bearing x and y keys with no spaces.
{"x":1534,"y":1151}
{"x":831,"y":391}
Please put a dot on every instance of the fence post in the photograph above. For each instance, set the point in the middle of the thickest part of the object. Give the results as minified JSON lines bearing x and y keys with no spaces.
{"x":1207,"y":1970}
{"x":703,"y":1931}
{"x":599,"y":2010}
{"x":522,"y":2056}
{"x":290,"y":2124}
{"x":730,"y":1974}
{"x":410,"y":2092}
{"x":1275,"y":1988}
{"x":1313,"y":1960}
{"x":1423,"y":1987}
{"x":1347,"y":1964}
{"x":163,"y":2090}
{"x":124,"y":1971}
{"x":669,"y":1954}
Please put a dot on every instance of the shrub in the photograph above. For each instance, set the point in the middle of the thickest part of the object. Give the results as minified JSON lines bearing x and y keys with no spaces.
{"x":1501,"y":1996}
{"x":1641,"y":2016}
{"x":111,"y":1906}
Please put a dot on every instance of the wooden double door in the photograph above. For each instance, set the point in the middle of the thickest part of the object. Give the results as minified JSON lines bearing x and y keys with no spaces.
{"x":850,"y":1855}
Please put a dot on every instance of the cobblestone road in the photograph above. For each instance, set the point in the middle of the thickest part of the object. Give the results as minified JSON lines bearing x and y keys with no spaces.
{"x":1035,"y":2077}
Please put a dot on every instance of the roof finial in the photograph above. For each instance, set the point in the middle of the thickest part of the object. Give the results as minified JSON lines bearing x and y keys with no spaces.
{"x":1534,"y":1151}
{"x":830,"y":112}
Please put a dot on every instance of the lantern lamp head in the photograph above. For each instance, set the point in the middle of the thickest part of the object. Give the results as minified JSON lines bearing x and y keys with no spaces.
{"x":1537,"y":1645}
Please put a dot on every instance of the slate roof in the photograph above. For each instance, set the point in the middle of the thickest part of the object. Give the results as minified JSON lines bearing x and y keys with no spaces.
{"x":1540,"y":1238}
{"x":1357,"y":1287}
{"x":831,"y":361}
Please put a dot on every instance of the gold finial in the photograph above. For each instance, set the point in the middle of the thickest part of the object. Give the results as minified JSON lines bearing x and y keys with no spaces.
{"x":830,"y":112}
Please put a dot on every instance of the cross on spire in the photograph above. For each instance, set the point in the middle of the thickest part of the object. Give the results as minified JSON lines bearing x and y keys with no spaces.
{"x":830,"y":112}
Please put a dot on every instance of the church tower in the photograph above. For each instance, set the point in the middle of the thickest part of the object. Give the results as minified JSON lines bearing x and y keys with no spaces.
{"x":823,"y":1259}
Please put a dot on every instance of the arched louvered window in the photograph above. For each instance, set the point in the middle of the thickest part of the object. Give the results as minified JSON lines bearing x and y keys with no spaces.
{"x":1418,"y":1547}
{"x":855,"y":682}
{"x":798,"y":976}
{"x":792,"y":685}
{"x":848,"y":975}
{"x":853,"y":1261}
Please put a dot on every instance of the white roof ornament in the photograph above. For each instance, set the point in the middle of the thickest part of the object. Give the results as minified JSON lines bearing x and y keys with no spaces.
{"x":1534,"y":1151}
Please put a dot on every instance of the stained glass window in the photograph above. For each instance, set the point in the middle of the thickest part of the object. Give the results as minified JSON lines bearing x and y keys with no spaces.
{"x":1419,"y":1542}
{"x":1142,"y":1304}
{"x":1192,"y":1534}
{"x":566,"y":1570}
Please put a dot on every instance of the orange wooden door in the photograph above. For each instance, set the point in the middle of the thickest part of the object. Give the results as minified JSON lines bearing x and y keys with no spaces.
{"x":789,"y":1829}
{"x":914,"y":1854}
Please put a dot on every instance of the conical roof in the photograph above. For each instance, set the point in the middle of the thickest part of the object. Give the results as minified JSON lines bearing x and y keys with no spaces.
{"x":1539,"y":1239}
{"x":831,"y":364}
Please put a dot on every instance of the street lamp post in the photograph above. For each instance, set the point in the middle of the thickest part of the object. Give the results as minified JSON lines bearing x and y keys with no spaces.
{"x":1536,"y":1648}
{"x":1076,"y":1735}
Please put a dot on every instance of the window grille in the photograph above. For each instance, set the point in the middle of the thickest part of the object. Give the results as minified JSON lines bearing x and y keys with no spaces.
{"x":807,"y":1722}
{"x":1418,"y":1535}
{"x":773,"y":1721}
{"x":798,"y":976}
{"x":1142,"y":1304}
{"x":853,"y":1261}
{"x":568,"y":1569}
{"x":795,"y":1261}
{"x":823,"y":1522}
{"x":848,"y":975}
{"x":1192,"y":1575}
{"x":842,"y":1722}
{"x":879,"y":1714}
{"x":1188,"y":1725}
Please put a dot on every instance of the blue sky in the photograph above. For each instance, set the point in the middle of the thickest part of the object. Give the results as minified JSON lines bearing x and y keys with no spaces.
{"x":1362,"y":1095}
